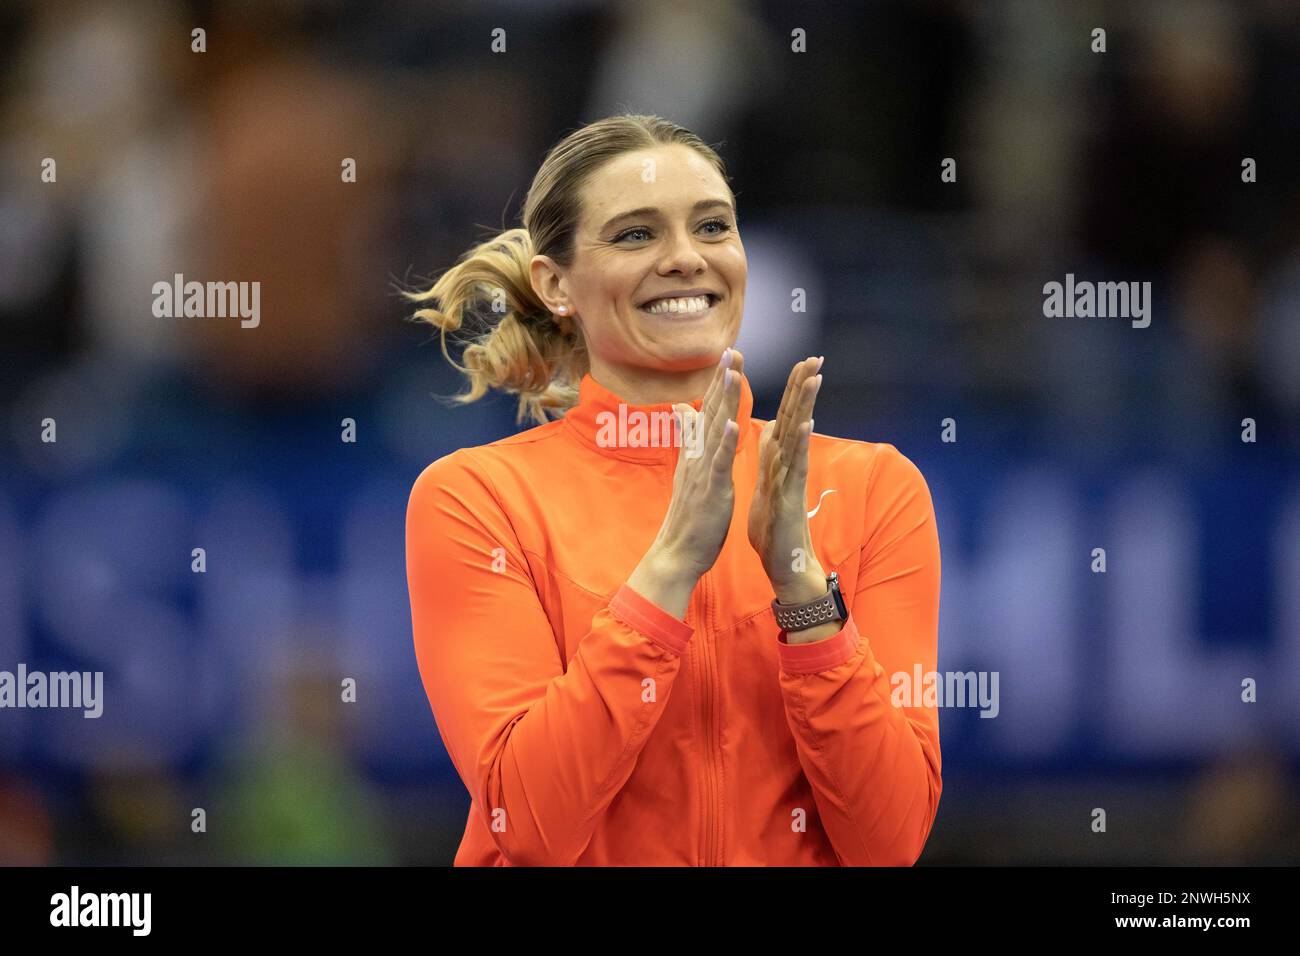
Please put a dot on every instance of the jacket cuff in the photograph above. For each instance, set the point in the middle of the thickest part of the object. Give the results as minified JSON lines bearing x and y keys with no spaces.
{"x":819,"y":655}
{"x":644,"y":616}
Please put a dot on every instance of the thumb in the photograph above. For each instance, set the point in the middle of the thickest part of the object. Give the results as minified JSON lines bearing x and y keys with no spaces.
{"x":765,"y":452}
{"x":688,"y":431}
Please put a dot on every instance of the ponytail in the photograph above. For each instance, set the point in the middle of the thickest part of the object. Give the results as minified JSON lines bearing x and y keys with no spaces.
{"x":523,"y":350}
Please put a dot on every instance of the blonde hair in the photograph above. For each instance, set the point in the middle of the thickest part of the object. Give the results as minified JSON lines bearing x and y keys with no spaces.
{"x":524,"y":349}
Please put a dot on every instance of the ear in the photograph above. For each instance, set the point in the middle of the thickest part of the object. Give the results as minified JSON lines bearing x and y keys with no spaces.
{"x":549,"y":284}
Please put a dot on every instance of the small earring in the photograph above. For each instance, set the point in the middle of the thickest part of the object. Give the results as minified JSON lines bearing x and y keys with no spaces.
{"x":564,"y":310}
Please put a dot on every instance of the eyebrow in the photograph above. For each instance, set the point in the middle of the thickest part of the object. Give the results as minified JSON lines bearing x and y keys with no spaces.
{"x":700,"y":206}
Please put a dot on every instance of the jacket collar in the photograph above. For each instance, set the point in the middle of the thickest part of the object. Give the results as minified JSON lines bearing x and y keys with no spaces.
{"x":604,"y":422}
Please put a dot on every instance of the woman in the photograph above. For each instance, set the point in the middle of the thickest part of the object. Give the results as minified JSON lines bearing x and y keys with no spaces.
{"x":593,"y":598}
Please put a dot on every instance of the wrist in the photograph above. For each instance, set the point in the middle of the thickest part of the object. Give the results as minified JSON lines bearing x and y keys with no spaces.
{"x":663,"y":580}
{"x":807,"y":586}
{"x":671,"y":566}
{"x":818,"y":632}
{"x":811,"y":587}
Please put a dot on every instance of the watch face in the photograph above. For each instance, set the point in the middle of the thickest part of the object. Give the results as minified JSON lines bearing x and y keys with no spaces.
{"x":838,"y":597}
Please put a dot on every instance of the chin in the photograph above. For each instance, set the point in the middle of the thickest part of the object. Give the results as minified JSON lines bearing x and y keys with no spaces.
{"x":692,"y":352}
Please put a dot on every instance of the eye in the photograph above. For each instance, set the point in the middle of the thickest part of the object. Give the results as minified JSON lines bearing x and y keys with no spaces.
{"x":724,"y":227}
{"x":627,"y":232}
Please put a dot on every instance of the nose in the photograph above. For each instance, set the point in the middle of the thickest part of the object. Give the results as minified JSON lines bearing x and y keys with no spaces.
{"x":681,"y":256}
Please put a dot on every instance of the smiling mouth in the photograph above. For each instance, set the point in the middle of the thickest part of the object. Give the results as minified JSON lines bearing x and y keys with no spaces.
{"x":687,"y":307}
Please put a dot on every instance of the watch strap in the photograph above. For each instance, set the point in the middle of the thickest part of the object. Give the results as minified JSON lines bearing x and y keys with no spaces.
{"x":828,"y":607}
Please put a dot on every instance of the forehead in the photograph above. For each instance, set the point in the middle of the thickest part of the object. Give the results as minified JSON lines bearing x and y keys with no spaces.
{"x":672,"y":178}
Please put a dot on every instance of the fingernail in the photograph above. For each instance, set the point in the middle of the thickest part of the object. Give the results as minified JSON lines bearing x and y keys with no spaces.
{"x":820,"y":359}
{"x":727,"y":376}
{"x":725,"y":361}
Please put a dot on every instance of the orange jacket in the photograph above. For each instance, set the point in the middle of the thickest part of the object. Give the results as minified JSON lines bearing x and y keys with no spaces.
{"x":591,"y":727}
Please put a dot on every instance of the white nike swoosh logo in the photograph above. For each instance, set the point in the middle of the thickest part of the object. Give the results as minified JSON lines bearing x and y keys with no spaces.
{"x":819,"y":502}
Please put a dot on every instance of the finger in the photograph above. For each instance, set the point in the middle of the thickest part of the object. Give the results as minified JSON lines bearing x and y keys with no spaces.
{"x":714,"y":408}
{"x":681,"y":414}
{"x":791,"y":479}
{"x":799,"y":407}
{"x":802,"y":413}
{"x":731,"y":400}
{"x":711,"y":393}
{"x":713,"y":398}
{"x":799,"y":473}
{"x":721,"y":410}
{"x":765,"y":449}
{"x":785,"y":398}
{"x":737,"y":360}
{"x":728,"y":404}
{"x":785,"y":416}
{"x":776,"y":464}
{"x":725,"y":454}
{"x":695,"y":437}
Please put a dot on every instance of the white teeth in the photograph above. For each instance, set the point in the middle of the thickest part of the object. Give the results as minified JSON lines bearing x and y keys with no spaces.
{"x":694,"y":304}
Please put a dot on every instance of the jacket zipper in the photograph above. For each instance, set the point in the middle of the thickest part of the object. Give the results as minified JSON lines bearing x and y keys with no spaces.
{"x":707,"y":687}
{"x":711,"y":849}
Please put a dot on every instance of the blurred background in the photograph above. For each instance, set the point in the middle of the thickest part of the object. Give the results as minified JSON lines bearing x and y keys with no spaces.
{"x":1119,"y":690}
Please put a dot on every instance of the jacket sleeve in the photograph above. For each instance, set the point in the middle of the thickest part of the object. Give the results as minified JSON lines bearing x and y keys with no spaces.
{"x":874,"y":766}
{"x":543,"y":749}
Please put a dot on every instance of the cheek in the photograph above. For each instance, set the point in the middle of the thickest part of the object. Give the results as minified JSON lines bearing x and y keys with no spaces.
{"x":736,"y":272}
{"x":616,"y":290}
{"x":739,"y":269}
{"x":603,"y":309}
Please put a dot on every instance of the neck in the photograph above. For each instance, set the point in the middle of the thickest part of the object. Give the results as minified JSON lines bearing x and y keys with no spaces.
{"x":641,"y":386}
